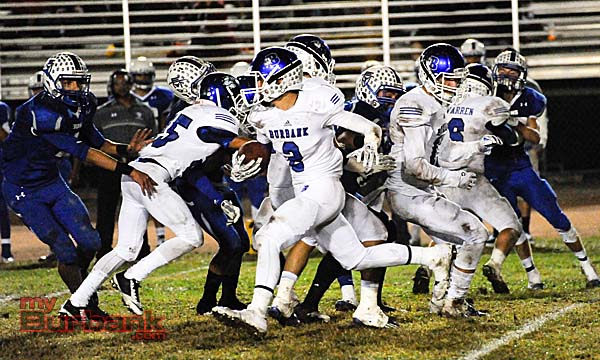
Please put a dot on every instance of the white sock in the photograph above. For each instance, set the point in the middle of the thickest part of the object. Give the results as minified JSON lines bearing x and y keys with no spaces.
{"x":586,"y":265}
{"x":261,"y":300}
{"x":368,"y":293}
{"x":5,"y":241}
{"x":348,"y":294}
{"x":286,"y":285}
{"x":459,"y":283}
{"x":160,"y":232}
{"x":498,"y":257}
{"x":103,"y":267}
{"x":163,"y":255}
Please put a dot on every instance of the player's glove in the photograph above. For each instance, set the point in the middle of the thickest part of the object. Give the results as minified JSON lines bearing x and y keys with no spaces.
{"x":384,"y":163}
{"x":367,"y":155}
{"x":232,"y":212}
{"x":240,"y":171}
{"x":461,"y":179}
{"x":487,"y":143}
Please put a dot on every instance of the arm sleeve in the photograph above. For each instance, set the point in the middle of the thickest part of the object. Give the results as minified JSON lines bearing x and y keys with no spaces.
{"x":92,"y":136}
{"x":415,"y":156}
{"x":356,"y":123}
{"x":210,"y":134}
{"x":67,"y":143}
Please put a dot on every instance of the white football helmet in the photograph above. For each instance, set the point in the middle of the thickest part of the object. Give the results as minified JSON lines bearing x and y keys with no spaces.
{"x":185,"y":74}
{"x":36,"y":82}
{"x":513,"y":60}
{"x":477,"y":79}
{"x":66,"y":66}
{"x":143,"y":73}
{"x":315,"y":56}
{"x":473,"y":48}
{"x":375,"y":79}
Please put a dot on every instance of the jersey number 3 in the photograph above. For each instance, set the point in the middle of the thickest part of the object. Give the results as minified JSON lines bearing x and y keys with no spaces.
{"x":292,"y":154}
{"x":170,"y":134}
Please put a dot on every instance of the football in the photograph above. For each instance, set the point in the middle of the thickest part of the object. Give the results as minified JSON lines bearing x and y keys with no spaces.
{"x":253,"y":150}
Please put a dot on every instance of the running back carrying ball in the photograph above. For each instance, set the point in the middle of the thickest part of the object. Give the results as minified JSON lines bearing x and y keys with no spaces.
{"x":244,"y":161}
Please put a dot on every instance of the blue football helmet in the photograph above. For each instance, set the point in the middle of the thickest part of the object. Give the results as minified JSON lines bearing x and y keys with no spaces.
{"x":439,"y":63}
{"x":66,"y":66}
{"x":315,"y":56}
{"x":510,"y":59}
{"x":273,"y":72}
{"x":222,"y":89}
{"x":185,"y":74}
{"x":143,"y":73}
{"x":380,"y":87}
{"x":477,"y":79}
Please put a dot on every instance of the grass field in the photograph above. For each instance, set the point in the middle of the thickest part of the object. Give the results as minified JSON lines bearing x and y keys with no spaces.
{"x":560,"y":322}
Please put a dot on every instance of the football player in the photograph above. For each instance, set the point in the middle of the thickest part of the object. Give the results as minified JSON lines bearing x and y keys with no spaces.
{"x":298,"y":123}
{"x":474,"y":51}
{"x":416,"y":122}
{"x":5,"y":123}
{"x":60,"y":119}
{"x":195,"y":134}
{"x":509,"y":168}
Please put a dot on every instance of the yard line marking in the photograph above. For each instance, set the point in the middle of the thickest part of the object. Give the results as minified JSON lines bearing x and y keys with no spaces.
{"x":516,"y":334}
{"x":8,"y":298}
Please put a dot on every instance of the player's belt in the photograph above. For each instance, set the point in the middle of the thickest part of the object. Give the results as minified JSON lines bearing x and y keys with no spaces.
{"x":150,"y":160}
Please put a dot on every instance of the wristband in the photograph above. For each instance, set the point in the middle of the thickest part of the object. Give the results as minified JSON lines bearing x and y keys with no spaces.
{"x":122,"y":150}
{"x":123,"y":168}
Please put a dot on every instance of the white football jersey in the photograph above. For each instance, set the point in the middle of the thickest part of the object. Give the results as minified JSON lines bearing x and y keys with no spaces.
{"x":416,"y":121}
{"x":466,"y":124}
{"x":179,"y":145}
{"x":304,"y":133}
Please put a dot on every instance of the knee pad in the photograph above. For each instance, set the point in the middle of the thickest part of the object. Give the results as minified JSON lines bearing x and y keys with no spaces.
{"x":275,"y":233}
{"x":468,"y":256}
{"x":569,"y":237}
{"x":109,"y":263}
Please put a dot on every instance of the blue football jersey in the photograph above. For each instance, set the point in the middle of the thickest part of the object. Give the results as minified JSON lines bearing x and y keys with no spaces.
{"x":43,"y":127}
{"x":504,"y":159}
{"x":158,"y":99}
{"x":5,"y":116}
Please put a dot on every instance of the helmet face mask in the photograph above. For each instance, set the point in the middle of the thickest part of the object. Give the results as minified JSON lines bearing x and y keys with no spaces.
{"x":274,"y":72}
{"x":185,"y":74}
{"x":441,"y":70}
{"x":66,"y":78}
{"x":315,"y":56}
{"x":143,"y":73}
{"x":510,"y":71}
{"x":477,"y":80}
{"x":380,"y":87}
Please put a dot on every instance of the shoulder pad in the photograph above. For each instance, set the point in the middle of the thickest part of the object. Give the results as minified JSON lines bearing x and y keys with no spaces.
{"x":211,"y":115}
{"x":496,"y":110}
{"x":414,"y":109}
{"x":323,"y":98}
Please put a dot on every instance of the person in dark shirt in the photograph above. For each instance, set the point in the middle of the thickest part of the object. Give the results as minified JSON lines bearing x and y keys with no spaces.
{"x":60,"y":119}
{"x":118,"y":120}
{"x":7,"y":256}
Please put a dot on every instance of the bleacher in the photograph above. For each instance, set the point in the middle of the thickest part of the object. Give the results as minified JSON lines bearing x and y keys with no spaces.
{"x":559,"y":38}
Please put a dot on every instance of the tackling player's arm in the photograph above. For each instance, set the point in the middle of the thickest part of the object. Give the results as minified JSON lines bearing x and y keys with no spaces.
{"x":530,"y":131}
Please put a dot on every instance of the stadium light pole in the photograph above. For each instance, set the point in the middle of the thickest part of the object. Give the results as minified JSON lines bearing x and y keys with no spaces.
{"x":385,"y":31}
{"x":256,"y":25}
{"x":515,"y":24}
{"x":126,"y":34}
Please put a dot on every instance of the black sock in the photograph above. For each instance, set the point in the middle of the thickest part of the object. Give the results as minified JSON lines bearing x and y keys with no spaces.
{"x":70,"y":275}
{"x":525,"y":221}
{"x":381,"y":280}
{"x":230,"y":283}
{"x":329,"y":269}
{"x":211,"y":287}
{"x":6,"y":250}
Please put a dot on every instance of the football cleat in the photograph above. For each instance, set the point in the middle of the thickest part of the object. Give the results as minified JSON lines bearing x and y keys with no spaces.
{"x":283,"y":310}
{"x":536,"y":286}
{"x":492,"y":273}
{"x":385,"y":308}
{"x":373,"y":317}
{"x":247,"y":318}
{"x":205,"y":306}
{"x":72,"y":312}
{"x":421,"y":281}
{"x":307,"y":315}
{"x":48,"y":260}
{"x":460,"y":308}
{"x":8,"y":260}
{"x":234,"y":304}
{"x":129,"y":289}
{"x":593,"y":284}
{"x":345,"y":305}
